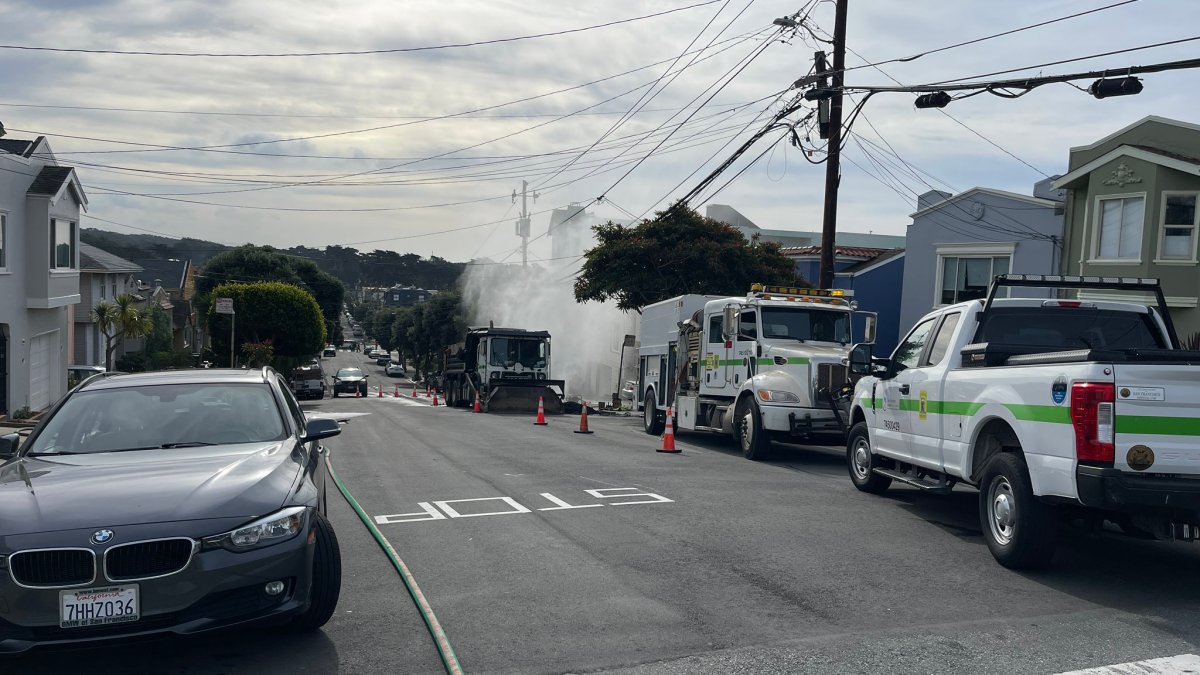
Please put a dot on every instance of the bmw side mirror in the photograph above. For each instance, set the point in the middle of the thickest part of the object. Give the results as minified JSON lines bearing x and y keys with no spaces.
{"x":320,"y":428}
{"x":9,"y":444}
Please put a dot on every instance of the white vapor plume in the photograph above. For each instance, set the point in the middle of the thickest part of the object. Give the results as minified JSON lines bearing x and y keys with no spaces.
{"x":585,"y":338}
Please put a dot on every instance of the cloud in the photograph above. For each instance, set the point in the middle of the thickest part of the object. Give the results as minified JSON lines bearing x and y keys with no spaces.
{"x":355,"y":91}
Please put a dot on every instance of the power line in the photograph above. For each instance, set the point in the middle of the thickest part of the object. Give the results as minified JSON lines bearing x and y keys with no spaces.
{"x":398,"y":50}
{"x":224,"y":148}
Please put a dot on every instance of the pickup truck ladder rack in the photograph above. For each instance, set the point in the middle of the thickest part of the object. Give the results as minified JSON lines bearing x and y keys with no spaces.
{"x":1139,"y":284}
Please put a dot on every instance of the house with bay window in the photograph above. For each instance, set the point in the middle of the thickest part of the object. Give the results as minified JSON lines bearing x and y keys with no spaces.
{"x":40,"y":203}
{"x":1131,"y":212}
{"x":956,"y":244}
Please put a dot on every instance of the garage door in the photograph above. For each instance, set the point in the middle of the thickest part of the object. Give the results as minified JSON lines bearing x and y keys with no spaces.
{"x":39,"y":372}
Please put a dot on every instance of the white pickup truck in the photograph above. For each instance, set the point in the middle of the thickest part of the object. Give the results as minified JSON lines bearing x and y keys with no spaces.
{"x":1050,"y":407}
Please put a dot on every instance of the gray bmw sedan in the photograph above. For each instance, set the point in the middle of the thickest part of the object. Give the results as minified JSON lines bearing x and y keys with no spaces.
{"x":171,"y":502}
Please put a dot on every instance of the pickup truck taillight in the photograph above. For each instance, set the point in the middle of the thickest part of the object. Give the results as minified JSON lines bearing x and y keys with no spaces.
{"x":1092,"y":415}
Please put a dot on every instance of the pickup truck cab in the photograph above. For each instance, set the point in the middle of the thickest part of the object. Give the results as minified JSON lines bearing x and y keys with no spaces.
{"x":1050,"y":407}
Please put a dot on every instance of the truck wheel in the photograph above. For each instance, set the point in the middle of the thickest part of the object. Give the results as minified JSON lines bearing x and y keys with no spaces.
{"x":747,"y":427}
{"x":651,"y":417}
{"x":1019,"y":529}
{"x":861,"y":462}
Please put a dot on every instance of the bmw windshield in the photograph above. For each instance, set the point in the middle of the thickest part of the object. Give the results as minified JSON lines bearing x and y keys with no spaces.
{"x":160,"y":416}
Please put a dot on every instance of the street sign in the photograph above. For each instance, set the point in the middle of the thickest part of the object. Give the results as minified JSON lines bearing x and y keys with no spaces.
{"x":224,"y":305}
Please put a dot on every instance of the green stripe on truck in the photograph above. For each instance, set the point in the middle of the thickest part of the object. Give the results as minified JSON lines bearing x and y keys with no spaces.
{"x":1162,"y":426}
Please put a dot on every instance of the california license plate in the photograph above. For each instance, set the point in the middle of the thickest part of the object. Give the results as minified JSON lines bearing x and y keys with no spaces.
{"x":98,"y":606}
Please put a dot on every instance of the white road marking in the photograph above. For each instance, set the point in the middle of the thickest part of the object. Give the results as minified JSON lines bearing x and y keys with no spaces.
{"x":428,"y":513}
{"x":598,"y":481}
{"x":440,"y":510}
{"x":336,"y":416}
{"x":563,"y":505}
{"x":654,"y":499}
{"x":1183,"y":664}
{"x":445,"y":506}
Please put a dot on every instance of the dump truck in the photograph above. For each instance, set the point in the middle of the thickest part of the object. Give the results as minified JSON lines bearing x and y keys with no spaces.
{"x":507,"y":368}
{"x":770,"y":366}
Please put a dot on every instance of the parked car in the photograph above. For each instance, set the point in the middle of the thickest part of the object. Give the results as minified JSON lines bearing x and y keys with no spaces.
{"x":383,"y":359}
{"x":330,"y":350}
{"x":348,"y":381}
{"x":77,"y":374}
{"x":394,"y":370}
{"x":224,"y":531}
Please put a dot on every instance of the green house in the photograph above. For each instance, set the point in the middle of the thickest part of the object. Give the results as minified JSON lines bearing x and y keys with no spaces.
{"x":1131,"y":212}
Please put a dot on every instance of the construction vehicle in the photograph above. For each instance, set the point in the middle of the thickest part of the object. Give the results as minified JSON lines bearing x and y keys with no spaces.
{"x":507,"y":368}
{"x":769,"y":366}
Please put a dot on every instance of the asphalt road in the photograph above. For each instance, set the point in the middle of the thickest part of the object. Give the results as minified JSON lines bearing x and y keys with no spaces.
{"x":542,"y":550}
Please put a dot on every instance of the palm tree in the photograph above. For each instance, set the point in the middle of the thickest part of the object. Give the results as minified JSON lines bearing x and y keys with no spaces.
{"x":119,"y":320}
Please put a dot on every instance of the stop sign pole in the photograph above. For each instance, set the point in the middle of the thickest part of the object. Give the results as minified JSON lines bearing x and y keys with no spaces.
{"x":225,"y":306}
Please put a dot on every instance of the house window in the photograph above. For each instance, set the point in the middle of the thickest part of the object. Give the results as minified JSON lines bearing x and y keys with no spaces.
{"x":62,"y":244}
{"x":1178,"y":227}
{"x":1120,"y":228}
{"x":3,"y":241}
{"x":967,"y":277}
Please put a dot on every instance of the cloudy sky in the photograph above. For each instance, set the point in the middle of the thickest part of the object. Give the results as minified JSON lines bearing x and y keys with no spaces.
{"x":340,"y":149}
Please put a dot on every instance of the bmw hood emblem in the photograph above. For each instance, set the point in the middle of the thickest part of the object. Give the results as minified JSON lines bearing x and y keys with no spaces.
{"x":102,"y":536}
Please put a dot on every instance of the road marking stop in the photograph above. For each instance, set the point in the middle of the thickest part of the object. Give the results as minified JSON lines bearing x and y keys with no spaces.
{"x":442,"y":509}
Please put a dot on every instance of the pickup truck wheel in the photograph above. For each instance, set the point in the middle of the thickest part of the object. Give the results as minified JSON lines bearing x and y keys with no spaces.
{"x":756,"y":446}
{"x":1020,"y":530}
{"x":653,"y":420}
{"x":861,"y":462}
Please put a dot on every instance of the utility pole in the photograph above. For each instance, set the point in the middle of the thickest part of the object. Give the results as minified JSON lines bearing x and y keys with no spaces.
{"x":833,"y":161}
{"x":523,"y":221}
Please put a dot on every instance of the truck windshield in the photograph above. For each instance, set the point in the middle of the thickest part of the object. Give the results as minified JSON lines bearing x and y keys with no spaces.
{"x":1062,"y":328}
{"x":818,"y":325}
{"x":508,"y":352}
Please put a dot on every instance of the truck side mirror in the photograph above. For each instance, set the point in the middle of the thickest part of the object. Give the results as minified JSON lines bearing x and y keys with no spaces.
{"x":9,"y":443}
{"x":729,"y":322}
{"x":860,"y":359}
{"x":870,"y":322}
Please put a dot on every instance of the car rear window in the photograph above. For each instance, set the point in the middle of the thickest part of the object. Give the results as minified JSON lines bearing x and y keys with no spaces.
{"x":1063,"y":328}
{"x":149,"y":417}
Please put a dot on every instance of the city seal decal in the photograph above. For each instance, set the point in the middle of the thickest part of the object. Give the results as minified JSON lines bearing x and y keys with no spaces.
{"x":1058,"y":391}
{"x":1139,"y":457}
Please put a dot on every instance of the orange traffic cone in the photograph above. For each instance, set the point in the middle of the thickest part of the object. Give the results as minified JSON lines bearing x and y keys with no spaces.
{"x":357,"y":392}
{"x":583,"y":427}
{"x":396,"y":393}
{"x":427,"y":391}
{"x":669,"y":435}
{"x":477,"y":408}
{"x":414,"y":389}
{"x":435,"y":403}
{"x":381,"y":391}
{"x":541,"y":418}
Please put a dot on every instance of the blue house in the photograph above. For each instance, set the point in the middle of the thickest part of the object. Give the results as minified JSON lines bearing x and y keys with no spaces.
{"x":876,"y":276}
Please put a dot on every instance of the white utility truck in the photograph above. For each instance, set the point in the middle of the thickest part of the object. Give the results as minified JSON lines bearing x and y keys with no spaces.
{"x":1053,"y":408}
{"x":767,"y":366}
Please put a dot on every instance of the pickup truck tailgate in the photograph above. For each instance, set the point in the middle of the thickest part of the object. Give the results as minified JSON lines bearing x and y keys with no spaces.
{"x":1158,"y":418}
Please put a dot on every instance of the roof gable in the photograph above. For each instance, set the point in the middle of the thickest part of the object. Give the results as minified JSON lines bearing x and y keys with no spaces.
{"x":92,"y":259}
{"x":1171,"y":160}
{"x":1036,"y":201}
{"x":52,"y":180}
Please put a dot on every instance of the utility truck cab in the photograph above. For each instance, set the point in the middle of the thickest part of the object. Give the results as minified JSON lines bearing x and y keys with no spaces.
{"x":764,"y":367}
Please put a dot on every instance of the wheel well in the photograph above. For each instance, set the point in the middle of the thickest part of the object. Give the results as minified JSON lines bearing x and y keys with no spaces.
{"x":994,"y":437}
{"x":857,"y":416}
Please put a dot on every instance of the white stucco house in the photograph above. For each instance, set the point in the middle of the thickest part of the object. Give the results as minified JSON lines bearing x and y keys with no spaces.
{"x":40,"y":203}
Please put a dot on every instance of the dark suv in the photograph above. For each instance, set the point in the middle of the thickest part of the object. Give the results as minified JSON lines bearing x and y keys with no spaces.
{"x":170,"y":502}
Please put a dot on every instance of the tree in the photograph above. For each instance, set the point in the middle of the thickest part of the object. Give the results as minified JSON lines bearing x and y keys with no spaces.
{"x":676,"y":253}
{"x":119,"y":320}
{"x":286,"y":315}
{"x":263,"y":263}
{"x":435,"y":324}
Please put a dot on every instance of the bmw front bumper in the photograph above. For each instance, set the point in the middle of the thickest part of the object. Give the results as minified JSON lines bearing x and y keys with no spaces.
{"x":218,"y":589}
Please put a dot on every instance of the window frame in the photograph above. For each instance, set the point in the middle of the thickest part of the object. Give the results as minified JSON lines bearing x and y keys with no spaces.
{"x":4,"y":242}
{"x":1162,"y":228}
{"x":1097,"y":225}
{"x":962,"y":251}
{"x":73,"y":233}
{"x":927,"y":359}
{"x":933,"y":324}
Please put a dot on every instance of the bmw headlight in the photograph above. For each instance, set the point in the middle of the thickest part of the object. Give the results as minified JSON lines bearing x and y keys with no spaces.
{"x":277,"y":527}
{"x":776,"y":396}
